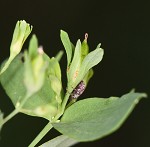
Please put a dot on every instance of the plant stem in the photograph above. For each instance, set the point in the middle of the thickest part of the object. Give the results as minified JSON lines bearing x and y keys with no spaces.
{"x":16,"y":111}
{"x":65,"y":101}
{"x":11,"y":115}
{"x":49,"y":126}
{"x":41,"y":134}
{"x":62,"y":107}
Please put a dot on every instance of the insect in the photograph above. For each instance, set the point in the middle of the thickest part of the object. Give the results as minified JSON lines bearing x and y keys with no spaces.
{"x":79,"y":89}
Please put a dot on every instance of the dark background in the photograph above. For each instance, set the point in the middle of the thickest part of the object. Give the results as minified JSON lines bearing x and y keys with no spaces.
{"x":123,"y":28}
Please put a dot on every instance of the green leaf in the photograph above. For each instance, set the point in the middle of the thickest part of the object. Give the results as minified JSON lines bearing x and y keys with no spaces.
{"x":88,"y":76}
{"x":92,"y":59}
{"x":1,"y":119}
{"x":54,"y":68}
{"x":33,"y":47}
{"x":67,"y":44}
{"x":34,"y":72}
{"x":36,"y":64}
{"x":85,"y":47}
{"x":41,"y":104}
{"x":54,"y":74}
{"x":75,"y":64}
{"x":59,"y":55}
{"x":94,"y":118}
{"x":60,"y":141}
{"x":57,"y":87}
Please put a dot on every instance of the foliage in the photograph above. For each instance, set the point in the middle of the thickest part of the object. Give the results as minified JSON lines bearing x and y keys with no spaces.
{"x":32,"y":80}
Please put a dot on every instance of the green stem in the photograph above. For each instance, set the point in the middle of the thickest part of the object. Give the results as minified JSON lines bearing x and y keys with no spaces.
{"x":16,"y":111}
{"x":65,"y":101}
{"x":62,"y":107}
{"x":11,"y":115}
{"x":6,"y":65}
{"x":49,"y":125}
{"x":41,"y":134}
{"x":71,"y":102}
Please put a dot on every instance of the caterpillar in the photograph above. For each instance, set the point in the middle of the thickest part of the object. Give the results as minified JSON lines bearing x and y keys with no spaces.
{"x":78,"y":90}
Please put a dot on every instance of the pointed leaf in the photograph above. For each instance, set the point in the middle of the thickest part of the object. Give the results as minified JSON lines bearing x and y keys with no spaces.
{"x":92,"y":59}
{"x":75,"y":64}
{"x":54,"y":68}
{"x":67,"y":44}
{"x":94,"y":118}
{"x":60,"y":141}
{"x":88,"y":76}
{"x":35,"y":67}
{"x":54,"y":74}
{"x":59,"y":55}
{"x":33,"y":46}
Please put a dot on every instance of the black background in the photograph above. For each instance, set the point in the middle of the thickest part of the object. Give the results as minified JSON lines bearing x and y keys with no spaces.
{"x":123,"y":28}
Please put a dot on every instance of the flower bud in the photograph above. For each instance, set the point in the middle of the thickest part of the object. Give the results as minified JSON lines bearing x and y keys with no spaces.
{"x":54,"y":74}
{"x":21,"y":32}
{"x":84,"y":47}
{"x":35,"y":68}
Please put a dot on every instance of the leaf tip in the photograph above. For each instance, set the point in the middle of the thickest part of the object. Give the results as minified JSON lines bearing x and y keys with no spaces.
{"x":62,"y":32}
